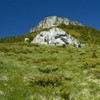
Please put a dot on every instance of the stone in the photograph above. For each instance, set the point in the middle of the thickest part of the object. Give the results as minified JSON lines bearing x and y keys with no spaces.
{"x":26,"y":39}
{"x":55,"y":36}
{"x":53,"y":21}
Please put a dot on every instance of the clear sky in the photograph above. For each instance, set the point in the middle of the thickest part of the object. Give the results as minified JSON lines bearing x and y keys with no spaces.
{"x":19,"y":16}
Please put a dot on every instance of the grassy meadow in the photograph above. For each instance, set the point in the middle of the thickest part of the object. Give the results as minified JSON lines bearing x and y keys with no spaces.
{"x":37,"y":72}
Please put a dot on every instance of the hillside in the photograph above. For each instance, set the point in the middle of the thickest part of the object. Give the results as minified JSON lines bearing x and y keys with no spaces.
{"x":83,"y":34}
{"x":31,"y":71}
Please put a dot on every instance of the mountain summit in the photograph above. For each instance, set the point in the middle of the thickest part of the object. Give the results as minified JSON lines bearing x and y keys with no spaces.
{"x":53,"y":21}
{"x":55,"y":30}
{"x":54,"y":35}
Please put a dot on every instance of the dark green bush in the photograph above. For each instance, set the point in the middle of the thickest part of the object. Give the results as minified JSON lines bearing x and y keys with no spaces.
{"x":64,"y":45}
{"x":46,"y":80}
{"x":88,"y":65}
{"x":94,"y":55}
{"x":48,"y":69}
{"x":4,"y":49}
{"x":65,"y":92}
{"x":62,"y":26}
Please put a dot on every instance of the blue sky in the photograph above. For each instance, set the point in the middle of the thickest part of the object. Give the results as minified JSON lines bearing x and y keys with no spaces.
{"x":19,"y":16}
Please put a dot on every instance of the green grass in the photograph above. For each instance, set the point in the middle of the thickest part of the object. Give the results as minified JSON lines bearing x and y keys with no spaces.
{"x":37,"y":72}
{"x":84,"y":34}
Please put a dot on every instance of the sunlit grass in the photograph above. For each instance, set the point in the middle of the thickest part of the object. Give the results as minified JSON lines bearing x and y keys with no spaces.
{"x":36,"y":72}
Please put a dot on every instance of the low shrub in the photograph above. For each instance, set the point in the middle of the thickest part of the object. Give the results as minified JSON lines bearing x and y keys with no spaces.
{"x":4,"y":49}
{"x":65,"y":92}
{"x":94,"y":55}
{"x":95,"y":73}
{"x":48,"y":69}
{"x":88,"y":65}
{"x":46,"y":80}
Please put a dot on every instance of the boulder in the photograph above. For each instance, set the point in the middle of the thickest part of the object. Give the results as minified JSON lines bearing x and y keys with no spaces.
{"x":26,"y":39}
{"x":55,"y":36}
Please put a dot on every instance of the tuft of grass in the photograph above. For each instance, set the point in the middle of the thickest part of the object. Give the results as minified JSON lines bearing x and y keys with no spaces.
{"x":48,"y":69}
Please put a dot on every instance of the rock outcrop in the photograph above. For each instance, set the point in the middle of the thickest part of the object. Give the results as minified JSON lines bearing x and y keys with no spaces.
{"x":55,"y":36}
{"x":54,"y":21}
{"x":26,"y":39}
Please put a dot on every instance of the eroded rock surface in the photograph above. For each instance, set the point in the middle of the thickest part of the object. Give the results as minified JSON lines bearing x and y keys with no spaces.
{"x":55,"y":36}
{"x":53,"y":21}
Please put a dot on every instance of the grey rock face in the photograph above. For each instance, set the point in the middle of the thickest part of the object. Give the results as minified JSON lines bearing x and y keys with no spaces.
{"x":54,"y":21}
{"x":55,"y":36}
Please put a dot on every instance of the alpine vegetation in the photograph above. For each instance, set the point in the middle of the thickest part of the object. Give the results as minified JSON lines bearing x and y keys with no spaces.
{"x":48,"y":63}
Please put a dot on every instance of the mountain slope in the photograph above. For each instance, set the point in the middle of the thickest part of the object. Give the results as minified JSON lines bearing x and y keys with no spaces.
{"x":82,"y":33}
{"x":40,"y":72}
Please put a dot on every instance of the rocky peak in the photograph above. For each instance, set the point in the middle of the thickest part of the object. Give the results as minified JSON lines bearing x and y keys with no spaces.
{"x":55,"y":36}
{"x":53,"y":21}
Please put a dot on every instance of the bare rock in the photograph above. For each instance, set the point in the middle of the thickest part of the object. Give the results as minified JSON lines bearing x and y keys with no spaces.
{"x":55,"y":36}
{"x":54,"y":21}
